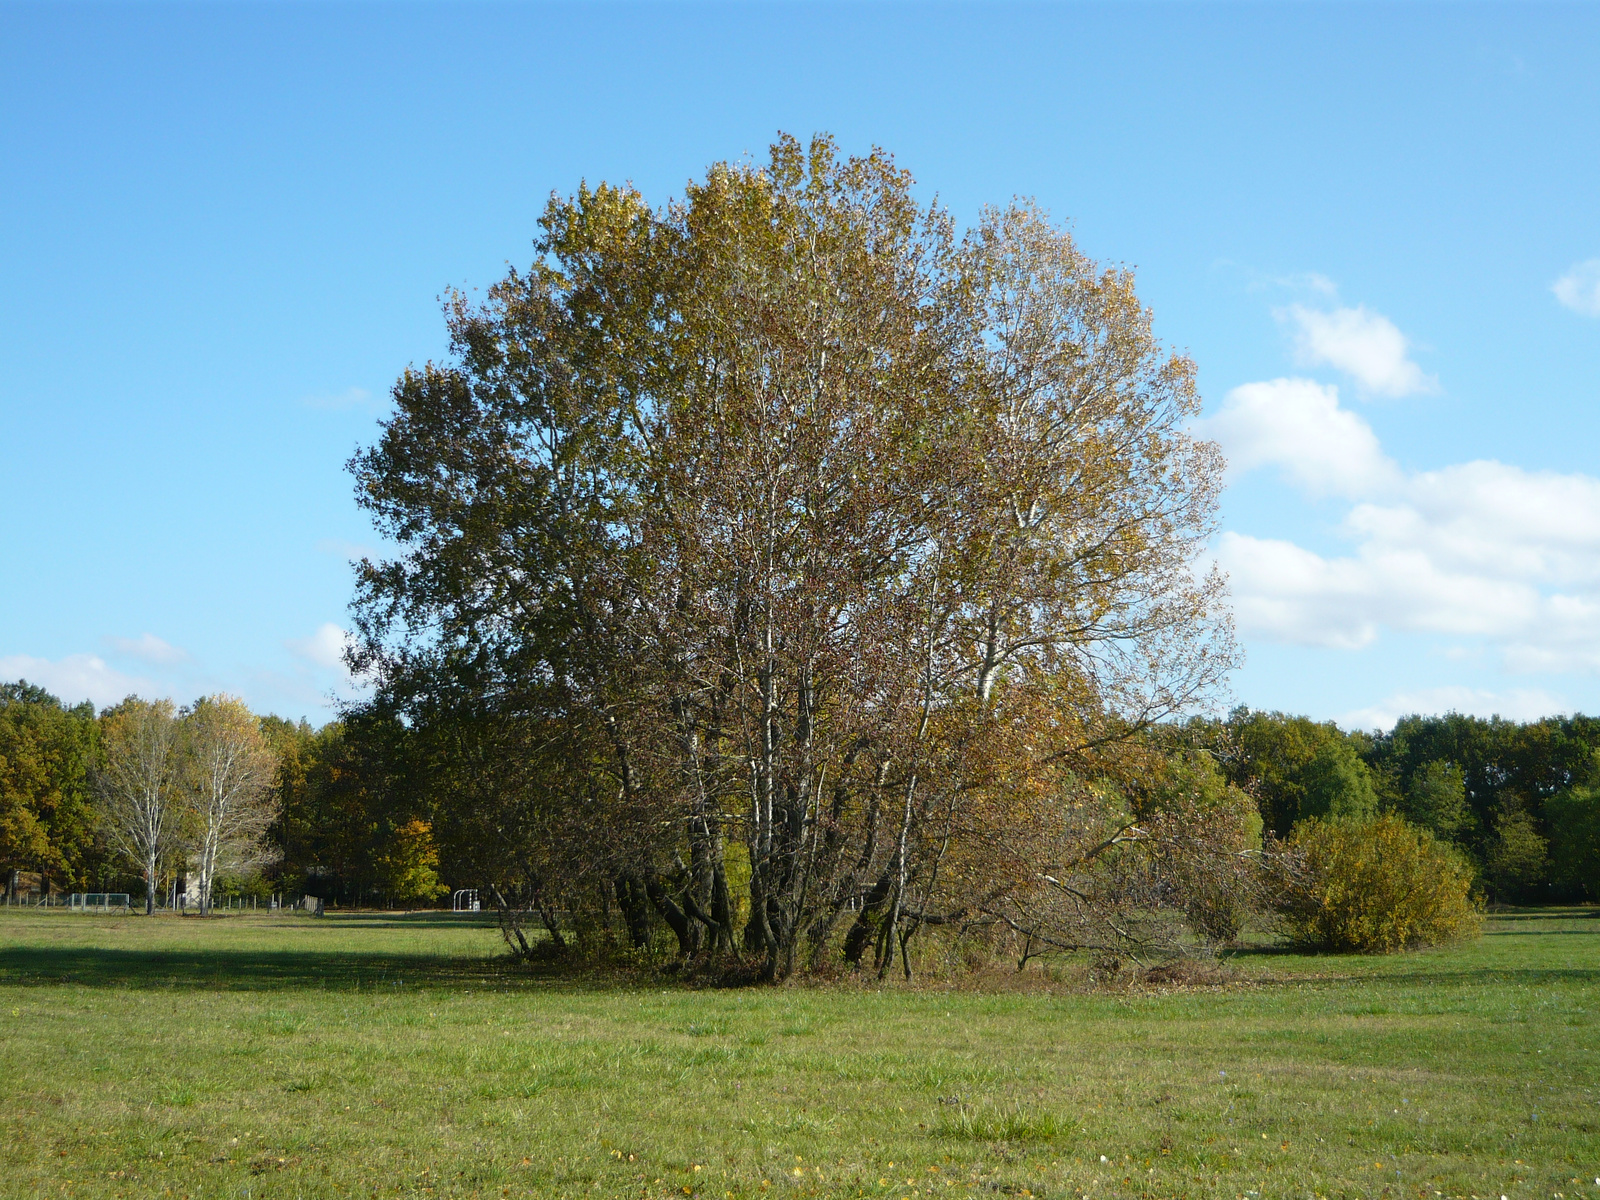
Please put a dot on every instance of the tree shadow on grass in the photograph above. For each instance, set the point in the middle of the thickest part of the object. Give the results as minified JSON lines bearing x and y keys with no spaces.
{"x":245,"y":970}
{"x":1481,"y":976}
{"x":332,"y":968}
{"x":1524,"y":933}
{"x":1585,"y":912}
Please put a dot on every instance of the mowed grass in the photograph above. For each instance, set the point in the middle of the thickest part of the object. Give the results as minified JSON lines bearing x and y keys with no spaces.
{"x":359,"y":1055}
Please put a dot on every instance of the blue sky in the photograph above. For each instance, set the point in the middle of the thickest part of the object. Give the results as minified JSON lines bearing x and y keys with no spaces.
{"x":224,"y":229}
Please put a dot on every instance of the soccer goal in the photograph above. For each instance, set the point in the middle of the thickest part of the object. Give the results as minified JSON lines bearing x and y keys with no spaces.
{"x":98,"y":902}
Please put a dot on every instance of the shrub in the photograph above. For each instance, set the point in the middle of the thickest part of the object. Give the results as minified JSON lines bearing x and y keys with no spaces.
{"x":1211,"y":879}
{"x":1376,"y":886}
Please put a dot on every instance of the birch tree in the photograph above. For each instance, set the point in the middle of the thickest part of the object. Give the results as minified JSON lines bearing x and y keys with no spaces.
{"x":138,"y":786}
{"x":228,"y":775}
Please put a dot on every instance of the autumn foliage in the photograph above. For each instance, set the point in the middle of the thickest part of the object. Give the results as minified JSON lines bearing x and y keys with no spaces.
{"x":1376,"y":886}
{"x":802,"y":574}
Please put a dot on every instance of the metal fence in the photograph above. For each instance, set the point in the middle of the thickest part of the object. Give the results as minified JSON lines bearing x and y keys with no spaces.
{"x":98,"y":902}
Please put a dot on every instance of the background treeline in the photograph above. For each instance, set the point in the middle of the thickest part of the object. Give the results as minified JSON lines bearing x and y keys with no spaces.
{"x":343,"y":822}
{"x":367,"y":815}
{"x":1520,"y":800}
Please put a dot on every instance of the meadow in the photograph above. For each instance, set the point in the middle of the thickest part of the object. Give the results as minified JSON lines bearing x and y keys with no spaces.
{"x":375,"y":1055}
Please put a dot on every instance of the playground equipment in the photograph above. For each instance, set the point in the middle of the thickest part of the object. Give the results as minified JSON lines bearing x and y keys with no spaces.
{"x":464,"y":900}
{"x":98,"y":902}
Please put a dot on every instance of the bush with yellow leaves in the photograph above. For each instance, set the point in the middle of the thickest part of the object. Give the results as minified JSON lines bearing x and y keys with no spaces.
{"x":1372,"y":887}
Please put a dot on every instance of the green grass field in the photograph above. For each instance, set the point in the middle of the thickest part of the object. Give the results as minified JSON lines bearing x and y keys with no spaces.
{"x":368,"y":1055}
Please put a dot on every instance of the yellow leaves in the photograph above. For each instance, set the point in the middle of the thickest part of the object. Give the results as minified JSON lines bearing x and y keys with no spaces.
{"x":409,"y":866}
{"x":1377,"y":886}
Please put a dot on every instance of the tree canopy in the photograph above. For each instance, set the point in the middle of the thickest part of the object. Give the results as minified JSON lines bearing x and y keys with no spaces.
{"x":793,"y":562}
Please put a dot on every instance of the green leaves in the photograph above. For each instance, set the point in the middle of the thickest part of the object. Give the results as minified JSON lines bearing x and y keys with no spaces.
{"x":46,"y":818}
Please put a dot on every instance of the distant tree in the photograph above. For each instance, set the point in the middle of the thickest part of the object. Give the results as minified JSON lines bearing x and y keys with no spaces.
{"x":138,"y":787}
{"x":1294,"y":766}
{"x":1518,"y":858}
{"x":1436,"y":799}
{"x":1498,"y":759}
{"x":228,"y":775}
{"x":293,"y":745}
{"x":1337,"y":786}
{"x":408,"y":865}
{"x":46,"y":808}
{"x":1574,"y":817}
{"x":24,"y":777}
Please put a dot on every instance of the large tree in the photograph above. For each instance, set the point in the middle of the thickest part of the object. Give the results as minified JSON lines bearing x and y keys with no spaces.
{"x":821,"y":555}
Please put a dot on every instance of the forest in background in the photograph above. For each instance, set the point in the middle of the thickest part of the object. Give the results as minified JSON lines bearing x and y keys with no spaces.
{"x":361,"y":822}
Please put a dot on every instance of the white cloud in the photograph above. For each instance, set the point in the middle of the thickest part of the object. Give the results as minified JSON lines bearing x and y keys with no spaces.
{"x":1487,"y":518}
{"x":1363,"y":344}
{"x":1579,"y":288}
{"x":324,"y":648}
{"x":1298,"y":426}
{"x":1517,"y":704}
{"x":1290,"y":594}
{"x":147,"y":647}
{"x":1480,"y":550}
{"x":77,"y":677}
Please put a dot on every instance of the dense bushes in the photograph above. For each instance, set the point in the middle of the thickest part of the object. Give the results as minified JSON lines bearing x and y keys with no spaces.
{"x":1375,"y":886}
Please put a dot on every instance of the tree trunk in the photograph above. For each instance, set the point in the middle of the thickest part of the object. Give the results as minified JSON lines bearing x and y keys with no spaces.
{"x":865,"y":929}
{"x":674,"y":916}
{"x":635,"y":910}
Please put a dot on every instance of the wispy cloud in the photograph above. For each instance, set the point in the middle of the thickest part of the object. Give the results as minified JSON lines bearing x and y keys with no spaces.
{"x":1307,"y":281}
{"x":148,"y":648}
{"x":353,"y":397}
{"x":1304,"y":283}
{"x":1517,"y":704}
{"x":1579,"y":288}
{"x":78,"y":677}
{"x":1365,"y":345}
{"x":324,"y":648}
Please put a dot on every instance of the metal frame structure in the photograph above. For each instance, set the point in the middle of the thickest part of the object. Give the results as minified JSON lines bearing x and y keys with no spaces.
{"x":464,"y":900}
{"x":98,"y":902}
